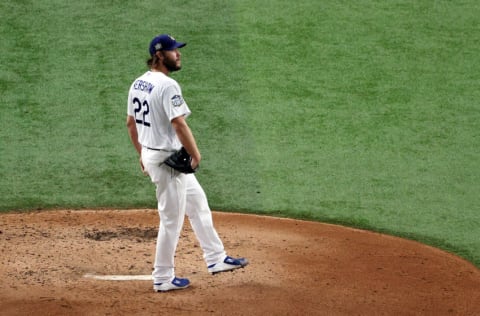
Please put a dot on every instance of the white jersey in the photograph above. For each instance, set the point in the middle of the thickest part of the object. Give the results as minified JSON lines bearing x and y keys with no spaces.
{"x":154,"y":100}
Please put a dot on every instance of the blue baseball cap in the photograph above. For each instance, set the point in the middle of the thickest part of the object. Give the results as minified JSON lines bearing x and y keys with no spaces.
{"x":164,"y":42}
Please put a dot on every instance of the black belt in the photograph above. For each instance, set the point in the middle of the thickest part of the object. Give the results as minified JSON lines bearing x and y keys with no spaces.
{"x":154,"y":149}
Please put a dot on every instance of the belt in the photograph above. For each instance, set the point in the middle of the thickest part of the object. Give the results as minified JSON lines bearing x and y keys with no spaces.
{"x":154,"y":148}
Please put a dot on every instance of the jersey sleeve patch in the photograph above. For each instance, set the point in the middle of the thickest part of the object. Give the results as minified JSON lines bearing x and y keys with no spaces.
{"x":177,"y":100}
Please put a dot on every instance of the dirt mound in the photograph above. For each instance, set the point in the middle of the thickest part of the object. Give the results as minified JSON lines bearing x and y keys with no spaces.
{"x":297,"y":268}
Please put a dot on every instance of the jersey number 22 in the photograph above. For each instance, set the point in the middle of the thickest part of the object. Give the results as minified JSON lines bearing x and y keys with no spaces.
{"x":141,"y":116}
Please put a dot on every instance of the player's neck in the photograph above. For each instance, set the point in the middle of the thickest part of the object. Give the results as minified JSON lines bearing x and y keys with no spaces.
{"x":163,"y":70}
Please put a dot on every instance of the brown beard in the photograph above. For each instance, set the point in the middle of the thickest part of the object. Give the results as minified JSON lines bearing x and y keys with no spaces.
{"x":170,"y":64}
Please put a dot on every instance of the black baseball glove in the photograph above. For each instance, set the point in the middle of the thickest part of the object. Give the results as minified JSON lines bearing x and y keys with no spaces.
{"x":180,"y":161}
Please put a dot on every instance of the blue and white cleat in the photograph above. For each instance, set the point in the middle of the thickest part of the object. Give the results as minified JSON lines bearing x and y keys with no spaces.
{"x":175,"y":284}
{"x":228,"y":264}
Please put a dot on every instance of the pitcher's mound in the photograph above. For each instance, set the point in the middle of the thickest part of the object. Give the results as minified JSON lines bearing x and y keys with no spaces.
{"x":99,"y":262}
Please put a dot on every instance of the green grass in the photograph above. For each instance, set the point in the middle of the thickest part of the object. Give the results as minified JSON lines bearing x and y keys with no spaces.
{"x":372,"y":120}
{"x":363,"y":113}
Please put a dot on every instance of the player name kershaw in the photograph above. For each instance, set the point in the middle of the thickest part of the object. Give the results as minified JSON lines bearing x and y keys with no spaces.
{"x":143,"y":86}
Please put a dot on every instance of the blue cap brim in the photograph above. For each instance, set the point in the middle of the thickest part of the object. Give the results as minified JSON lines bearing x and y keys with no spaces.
{"x":179,"y":45}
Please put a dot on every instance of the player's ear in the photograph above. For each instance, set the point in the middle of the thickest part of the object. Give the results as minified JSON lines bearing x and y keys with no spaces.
{"x":159,"y":54}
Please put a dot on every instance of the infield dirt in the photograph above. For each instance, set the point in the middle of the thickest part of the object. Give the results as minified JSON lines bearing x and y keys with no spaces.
{"x":296,"y":268}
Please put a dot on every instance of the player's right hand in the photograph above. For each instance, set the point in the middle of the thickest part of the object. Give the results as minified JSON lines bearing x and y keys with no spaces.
{"x":194,"y":163}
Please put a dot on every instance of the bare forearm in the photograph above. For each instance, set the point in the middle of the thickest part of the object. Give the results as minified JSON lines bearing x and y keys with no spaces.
{"x":132,"y":132}
{"x":186,"y":137}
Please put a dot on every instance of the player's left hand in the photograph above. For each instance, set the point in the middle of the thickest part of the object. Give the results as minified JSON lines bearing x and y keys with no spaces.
{"x":143,"y":167}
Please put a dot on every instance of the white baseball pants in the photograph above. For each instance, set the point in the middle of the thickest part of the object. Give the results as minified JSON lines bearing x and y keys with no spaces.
{"x":178,"y":195}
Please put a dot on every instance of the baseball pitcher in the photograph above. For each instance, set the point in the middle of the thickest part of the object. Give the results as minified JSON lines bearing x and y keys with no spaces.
{"x":157,"y":125}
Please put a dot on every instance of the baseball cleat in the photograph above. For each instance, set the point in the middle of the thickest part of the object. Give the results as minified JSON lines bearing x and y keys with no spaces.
{"x":175,"y":284}
{"x":229,"y":264}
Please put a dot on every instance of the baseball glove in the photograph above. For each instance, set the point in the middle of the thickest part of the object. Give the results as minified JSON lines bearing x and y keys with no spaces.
{"x":180,"y":161}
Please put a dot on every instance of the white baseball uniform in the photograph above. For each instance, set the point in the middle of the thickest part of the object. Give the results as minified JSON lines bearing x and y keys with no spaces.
{"x":154,"y":100}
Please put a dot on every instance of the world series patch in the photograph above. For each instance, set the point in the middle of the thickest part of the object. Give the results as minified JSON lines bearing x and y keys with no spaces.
{"x":177,"y":100}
